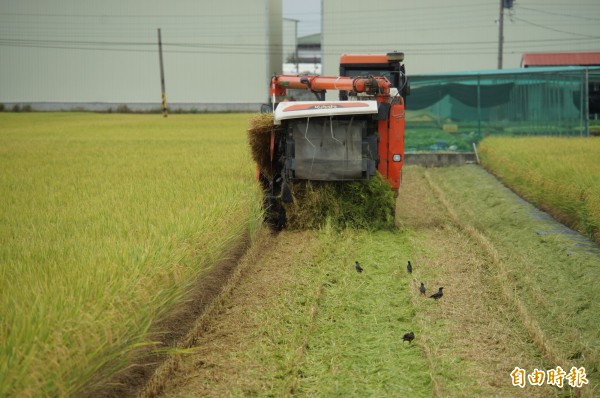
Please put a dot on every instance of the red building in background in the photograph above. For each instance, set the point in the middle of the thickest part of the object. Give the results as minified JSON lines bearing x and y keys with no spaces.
{"x":560,"y":59}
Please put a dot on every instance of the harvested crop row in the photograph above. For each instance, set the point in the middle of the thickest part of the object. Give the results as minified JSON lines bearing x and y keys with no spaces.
{"x":304,"y":322}
{"x":534,"y":266}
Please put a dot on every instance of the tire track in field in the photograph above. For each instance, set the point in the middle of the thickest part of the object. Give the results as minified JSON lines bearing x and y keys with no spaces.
{"x":175,"y":332}
{"x":301,"y":350}
{"x":249,"y":344}
{"x":154,"y":387}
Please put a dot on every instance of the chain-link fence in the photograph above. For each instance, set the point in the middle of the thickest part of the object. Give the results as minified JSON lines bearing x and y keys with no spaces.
{"x":452,"y":111}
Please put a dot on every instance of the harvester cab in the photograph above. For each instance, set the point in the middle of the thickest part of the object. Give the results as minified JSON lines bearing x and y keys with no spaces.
{"x":347,"y":140}
{"x":388,"y":65}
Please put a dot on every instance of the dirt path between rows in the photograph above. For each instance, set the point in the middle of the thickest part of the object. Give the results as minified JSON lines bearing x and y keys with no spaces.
{"x":223,"y":362}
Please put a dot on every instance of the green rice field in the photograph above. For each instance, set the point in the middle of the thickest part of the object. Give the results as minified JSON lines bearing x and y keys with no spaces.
{"x":105,"y":220}
{"x":559,"y":175}
{"x":108,"y":221}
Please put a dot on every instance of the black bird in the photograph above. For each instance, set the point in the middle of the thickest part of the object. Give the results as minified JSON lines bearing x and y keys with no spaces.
{"x":437,"y":295}
{"x":422,"y":289}
{"x":409,"y":267}
{"x":410,"y":336}
{"x":358,"y":267}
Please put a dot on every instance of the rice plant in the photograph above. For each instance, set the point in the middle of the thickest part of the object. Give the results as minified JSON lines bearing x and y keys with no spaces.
{"x":559,"y":175}
{"x":105,"y":221}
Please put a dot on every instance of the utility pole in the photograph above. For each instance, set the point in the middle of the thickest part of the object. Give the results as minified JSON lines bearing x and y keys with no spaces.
{"x":162,"y":76}
{"x":503,"y":4}
{"x":501,"y":34}
{"x":296,"y":49}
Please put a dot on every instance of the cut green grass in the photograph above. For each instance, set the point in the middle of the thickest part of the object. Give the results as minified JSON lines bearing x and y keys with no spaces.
{"x":542,"y":273}
{"x":355,"y":346}
{"x":305,"y":323}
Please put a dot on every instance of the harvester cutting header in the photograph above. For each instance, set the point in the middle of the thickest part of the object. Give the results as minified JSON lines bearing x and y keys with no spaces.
{"x":347,"y":140}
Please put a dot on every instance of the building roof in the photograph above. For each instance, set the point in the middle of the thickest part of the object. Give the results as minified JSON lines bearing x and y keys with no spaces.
{"x":560,"y":59}
{"x":310,"y":40}
{"x":485,"y":73}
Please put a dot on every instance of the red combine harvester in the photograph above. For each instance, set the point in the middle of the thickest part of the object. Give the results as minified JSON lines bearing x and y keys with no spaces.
{"x":347,"y":140}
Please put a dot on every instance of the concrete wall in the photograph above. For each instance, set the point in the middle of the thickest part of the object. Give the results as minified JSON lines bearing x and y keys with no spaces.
{"x":274,"y":49}
{"x":439,"y":159}
{"x":134,"y":106}
{"x":444,"y":36}
{"x":106,"y":51}
{"x":289,"y":38}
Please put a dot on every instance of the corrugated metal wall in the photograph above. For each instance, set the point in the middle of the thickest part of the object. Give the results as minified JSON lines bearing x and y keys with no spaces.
{"x":106,"y":51}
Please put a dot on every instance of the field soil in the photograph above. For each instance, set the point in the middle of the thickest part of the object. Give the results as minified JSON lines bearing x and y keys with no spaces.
{"x":296,"y":319}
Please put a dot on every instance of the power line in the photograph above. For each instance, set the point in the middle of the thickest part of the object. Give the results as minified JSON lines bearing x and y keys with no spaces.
{"x":238,"y":45}
{"x":215,"y":49}
{"x":377,"y":11}
{"x":552,"y":29}
{"x":597,"y":19}
{"x":467,"y":12}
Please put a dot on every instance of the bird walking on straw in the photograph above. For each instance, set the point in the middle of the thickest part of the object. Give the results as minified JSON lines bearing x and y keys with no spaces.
{"x":358,"y":267}
{"x":438,"y":295}
{"x":410,"y":336}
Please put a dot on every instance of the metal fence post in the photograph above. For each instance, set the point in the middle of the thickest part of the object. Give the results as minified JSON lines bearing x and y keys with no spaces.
{"x":586,"y":102}
{"x":479,"y":105}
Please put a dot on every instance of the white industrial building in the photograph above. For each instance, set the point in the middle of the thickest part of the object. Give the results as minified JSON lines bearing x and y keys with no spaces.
{"x":69,"y":53}
{"x":221,"y":55}
{"x":290,"y":40}
{"x":439,"y":36}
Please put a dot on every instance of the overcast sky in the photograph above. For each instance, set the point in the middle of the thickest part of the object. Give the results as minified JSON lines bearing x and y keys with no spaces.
{"x":308,"y":12}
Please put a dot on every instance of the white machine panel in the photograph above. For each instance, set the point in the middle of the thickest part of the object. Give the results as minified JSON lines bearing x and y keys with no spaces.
{"x":304,"y":109}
